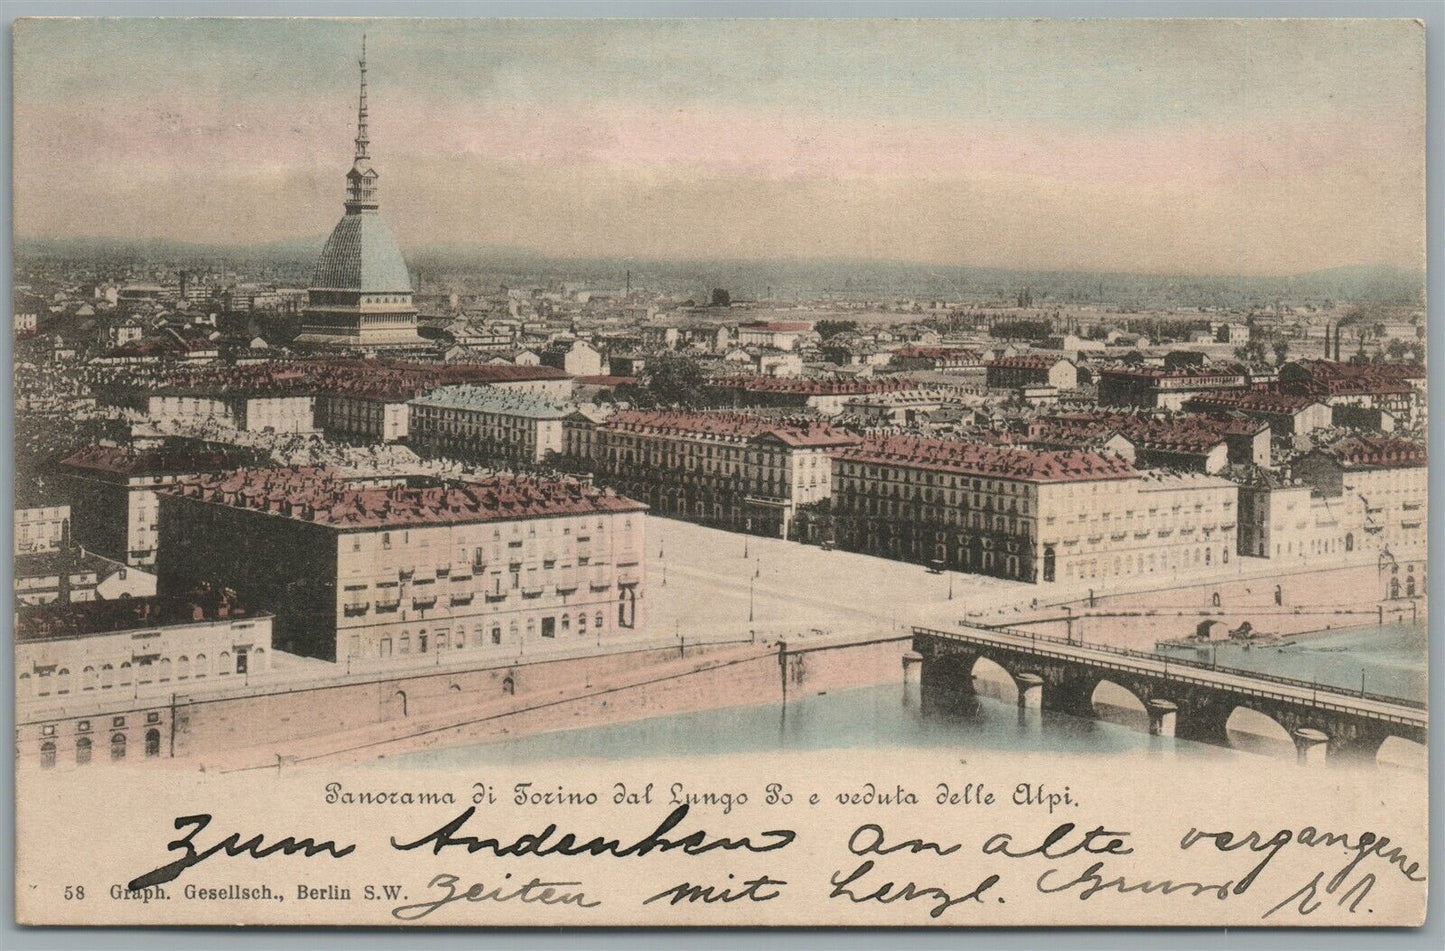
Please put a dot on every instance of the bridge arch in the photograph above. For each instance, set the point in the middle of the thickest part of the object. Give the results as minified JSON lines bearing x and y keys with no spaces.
{"x":1253,"y":731}
{"x":1399,"y":753}
{"x":1115,"y":703}
{"x":991,"y":679}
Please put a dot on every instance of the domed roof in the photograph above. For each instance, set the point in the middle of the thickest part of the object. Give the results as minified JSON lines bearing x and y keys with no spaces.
{"x":361,"y":255}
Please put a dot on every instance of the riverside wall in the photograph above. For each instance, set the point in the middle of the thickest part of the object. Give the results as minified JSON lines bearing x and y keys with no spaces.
{"x":359,"y":720}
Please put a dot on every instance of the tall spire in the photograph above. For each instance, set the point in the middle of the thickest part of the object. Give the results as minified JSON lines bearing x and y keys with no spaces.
{"x":361,"y":180}
{"x":362,"y":141}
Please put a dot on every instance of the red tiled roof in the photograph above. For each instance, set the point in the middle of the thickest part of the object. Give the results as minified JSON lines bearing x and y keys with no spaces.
{"x":773,"y":384}
{"x":1328,"y":378}
{"x":1031,"y":361}
{"x":323,"y":497}
{"x":1189,"y":433}
{"x":1001,"y":462}
{"x":1250,"y":401}
{"x":800,"y":433}
{"x":1379,"y":452}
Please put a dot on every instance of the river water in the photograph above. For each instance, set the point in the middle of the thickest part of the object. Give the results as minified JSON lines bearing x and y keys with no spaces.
{"x":885,"y":717}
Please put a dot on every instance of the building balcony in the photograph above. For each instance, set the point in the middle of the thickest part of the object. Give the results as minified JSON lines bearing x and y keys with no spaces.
{"x":387,"y":607}
{"x":355,"y":610}
{"x":457,"y":600}
{"x":493,"y":597}
{"x":424,"y":604}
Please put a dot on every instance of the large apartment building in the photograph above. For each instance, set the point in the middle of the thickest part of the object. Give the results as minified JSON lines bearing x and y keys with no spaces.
{"x":487,"y":422}
{"x":1387,"y":478}
{"x":743,"y":472}
{"x":113,"y":493}
{"x":384,"y":570}
{"x":1167,"y":388}
{"x":1028,"y":515}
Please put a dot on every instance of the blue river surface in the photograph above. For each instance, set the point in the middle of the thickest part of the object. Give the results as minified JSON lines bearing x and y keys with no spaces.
{"x":1392,"y":659}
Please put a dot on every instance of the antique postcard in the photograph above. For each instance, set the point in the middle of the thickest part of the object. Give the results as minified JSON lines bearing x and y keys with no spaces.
{"x":755,"y":472}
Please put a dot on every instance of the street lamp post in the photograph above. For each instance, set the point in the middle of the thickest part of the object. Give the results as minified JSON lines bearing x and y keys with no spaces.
{"x":750,"y":598}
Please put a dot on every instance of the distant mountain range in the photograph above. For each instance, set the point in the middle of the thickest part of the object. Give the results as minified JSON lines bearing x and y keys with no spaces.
{"x":468,"y":267}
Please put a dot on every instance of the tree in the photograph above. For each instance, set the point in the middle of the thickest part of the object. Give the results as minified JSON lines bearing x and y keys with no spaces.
{"x":720,"y":298}
{"x":1281,"y":351}
{"x":1404,"y":350}
{"x":831,"y":328}
{"x":1251,"y":352}
{"x":671,"y":380}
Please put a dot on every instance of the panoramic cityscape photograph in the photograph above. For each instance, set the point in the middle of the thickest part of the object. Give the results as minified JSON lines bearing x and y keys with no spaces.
{"x":737,"y":425}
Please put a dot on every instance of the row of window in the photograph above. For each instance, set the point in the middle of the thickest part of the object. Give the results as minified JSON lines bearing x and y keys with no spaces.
{"x":550,"y":627}
{"x":84,"y":747}
{"x":107,"y":676}
{"x":549,"y":526}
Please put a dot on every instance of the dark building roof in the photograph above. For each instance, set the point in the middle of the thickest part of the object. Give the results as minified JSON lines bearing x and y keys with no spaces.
{"x":128,"y":461}
{"x":46,"y":622}
{"x":75,"y":561}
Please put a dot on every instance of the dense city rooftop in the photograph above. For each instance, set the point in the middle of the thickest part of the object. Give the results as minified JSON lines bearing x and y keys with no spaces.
{"x":1001,"y":462}
{"x":484,"y":399}
{"x":733,"y":426}
{"x":795,"y":387}
{"x":1378,"y":452}
{"x":324,"y":497}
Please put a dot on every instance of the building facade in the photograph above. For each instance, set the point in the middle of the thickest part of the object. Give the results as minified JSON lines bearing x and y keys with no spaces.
{"x":484,"y":422}
{"x":392,"y":574}
{"x":1289,"y":522}
{"x":1028,"y":515}
{"x":1388,"y":478}
{"x":1154,"y":388}
{"x":42,"y":528}
{"x":279,"y":413}
{"x":121,"y":646}
{"x":774,"y":334}
{"x":1032,"y":370}
{"x":745,"y":473}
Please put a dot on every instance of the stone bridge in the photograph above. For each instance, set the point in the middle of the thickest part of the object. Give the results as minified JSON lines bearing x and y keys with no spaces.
{"x":1188,"y":699}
